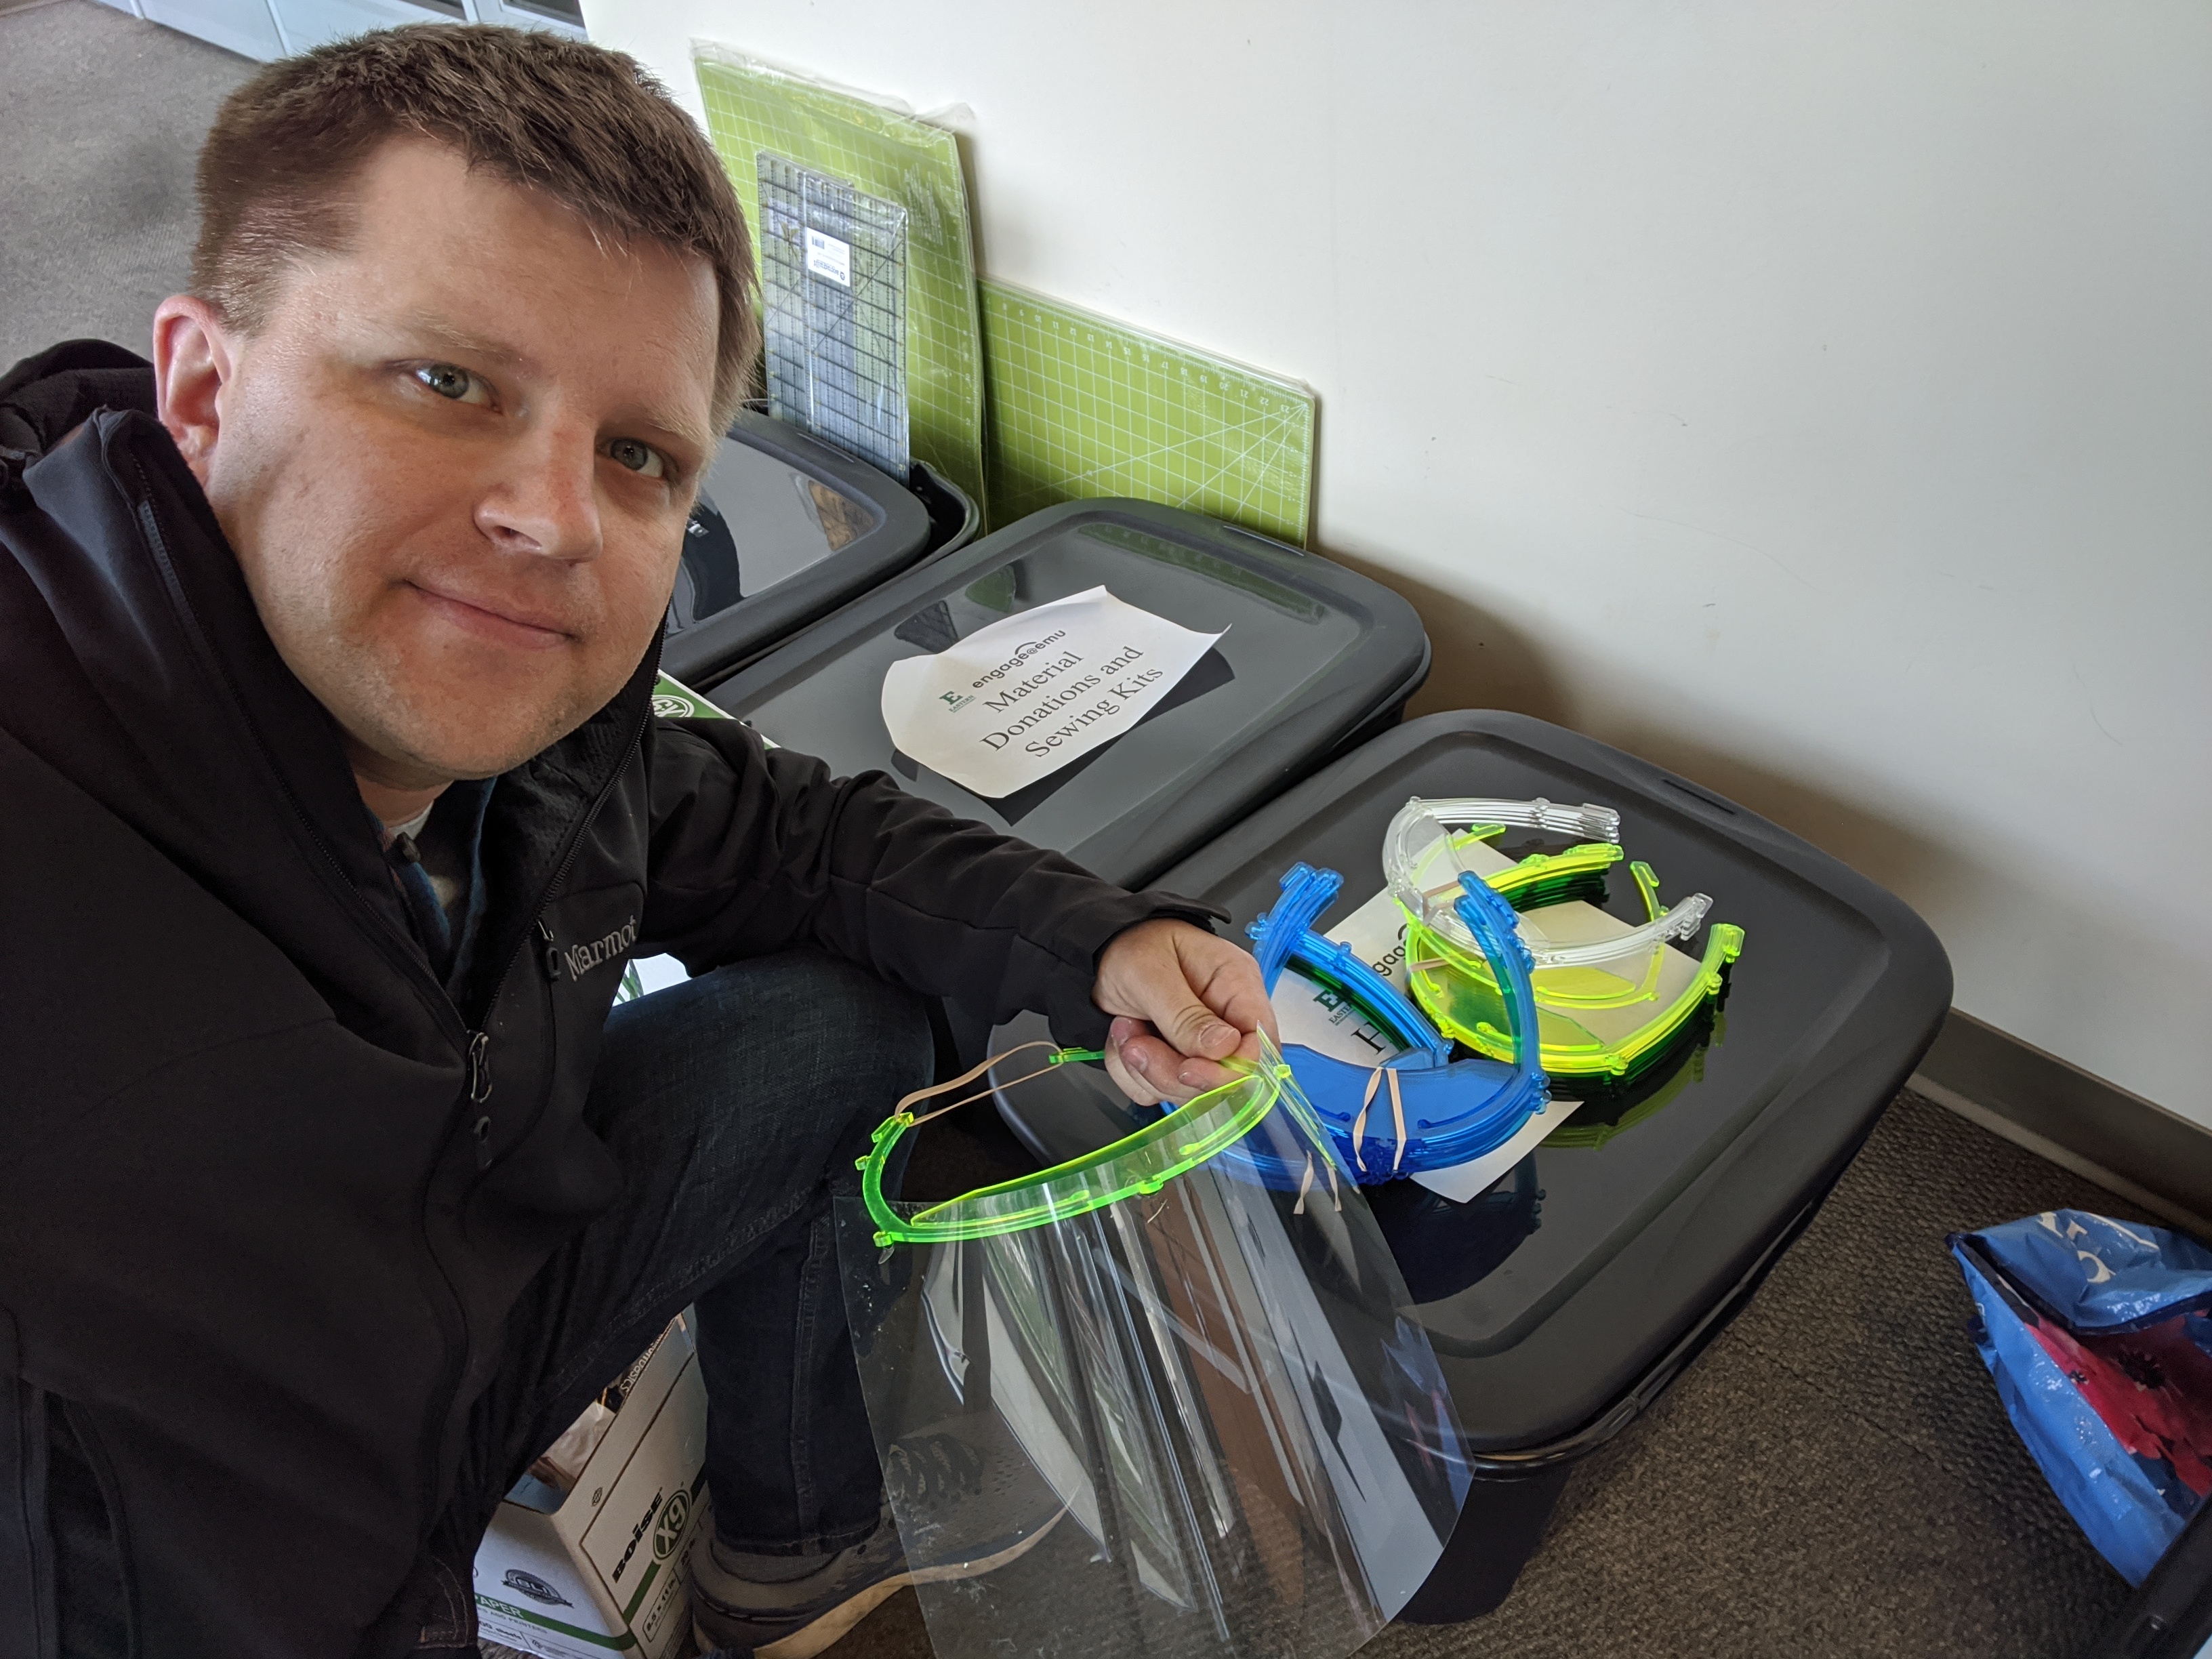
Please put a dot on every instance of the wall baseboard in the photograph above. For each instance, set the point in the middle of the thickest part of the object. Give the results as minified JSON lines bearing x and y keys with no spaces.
{"x":2076,"y":1120}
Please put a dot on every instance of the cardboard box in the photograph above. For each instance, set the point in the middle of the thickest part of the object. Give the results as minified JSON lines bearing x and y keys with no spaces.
{"x":609,"y":1570}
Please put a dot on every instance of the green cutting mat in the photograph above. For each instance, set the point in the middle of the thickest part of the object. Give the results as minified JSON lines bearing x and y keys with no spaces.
{"x":1082,"y":407}
{"x":751,"y":107}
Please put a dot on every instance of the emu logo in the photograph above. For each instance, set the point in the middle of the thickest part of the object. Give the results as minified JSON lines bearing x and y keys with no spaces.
{"x":535,"y":1588}
{"x":582,"y":958}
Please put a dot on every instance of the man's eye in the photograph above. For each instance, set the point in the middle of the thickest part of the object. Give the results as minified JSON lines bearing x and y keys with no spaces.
{"x":638,"y":457}
{"x":458,"y":384}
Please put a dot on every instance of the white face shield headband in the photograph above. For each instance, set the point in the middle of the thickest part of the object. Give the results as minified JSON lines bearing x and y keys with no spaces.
{"x":1610,"y":997}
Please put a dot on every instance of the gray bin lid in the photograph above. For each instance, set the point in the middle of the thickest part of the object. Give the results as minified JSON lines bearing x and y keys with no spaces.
{"x":1313,"y":652}
{"x":1562,"y":1301}
{"x":786,"y":530}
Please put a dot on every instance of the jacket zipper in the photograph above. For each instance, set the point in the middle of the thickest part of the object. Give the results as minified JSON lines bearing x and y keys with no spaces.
{"x":549,"y":958}
{"x":439,"y":1425}
{"x":479,"y":1092}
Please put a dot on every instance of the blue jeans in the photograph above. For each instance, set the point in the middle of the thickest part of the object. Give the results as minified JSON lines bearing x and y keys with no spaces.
{"x":738,"y":1104}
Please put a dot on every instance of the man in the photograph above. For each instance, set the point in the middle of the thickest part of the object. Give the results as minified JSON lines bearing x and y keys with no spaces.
{"x":332,"y":1189}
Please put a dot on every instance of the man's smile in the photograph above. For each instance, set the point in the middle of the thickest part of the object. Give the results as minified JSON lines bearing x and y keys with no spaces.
{"x":498,"y":621}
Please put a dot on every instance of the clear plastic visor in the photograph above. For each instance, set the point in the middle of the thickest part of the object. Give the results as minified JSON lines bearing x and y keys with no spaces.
{"x":1165,"y":1400}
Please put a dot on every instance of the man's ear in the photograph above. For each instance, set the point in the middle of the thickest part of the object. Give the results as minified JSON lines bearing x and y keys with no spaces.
{"x":194,"y":356}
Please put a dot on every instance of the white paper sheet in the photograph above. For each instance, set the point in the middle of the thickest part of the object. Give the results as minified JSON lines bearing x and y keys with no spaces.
{"x":1017,"y":701}
{"x":1462,"y":1181}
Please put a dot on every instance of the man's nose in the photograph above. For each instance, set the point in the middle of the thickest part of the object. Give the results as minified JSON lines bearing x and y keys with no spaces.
{"x":546,"y":500}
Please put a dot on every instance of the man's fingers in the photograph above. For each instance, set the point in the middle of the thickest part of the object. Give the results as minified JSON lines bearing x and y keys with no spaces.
{"x":1187,"y":1001}
{"x":1206,"y":994}
{"x":1147,"y":1069}
{"x":1196,"y":1077}
{"x":1142,"y":1066}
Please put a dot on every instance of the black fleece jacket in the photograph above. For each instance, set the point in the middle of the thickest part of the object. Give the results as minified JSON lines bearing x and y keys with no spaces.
{"x":267,"y":1190}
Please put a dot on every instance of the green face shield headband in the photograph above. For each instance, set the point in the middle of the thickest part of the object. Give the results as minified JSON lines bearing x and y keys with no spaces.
{"x":1163,"y":1399}
{"x":1609,"y":994}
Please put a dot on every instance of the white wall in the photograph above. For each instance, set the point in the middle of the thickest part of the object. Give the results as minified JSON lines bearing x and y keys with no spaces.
{"x":1816,"y":399}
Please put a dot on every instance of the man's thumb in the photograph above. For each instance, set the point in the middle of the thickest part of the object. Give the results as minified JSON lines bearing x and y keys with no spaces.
{"x":1195,"y":1029}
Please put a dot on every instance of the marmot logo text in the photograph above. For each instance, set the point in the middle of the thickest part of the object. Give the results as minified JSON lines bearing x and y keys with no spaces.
{"x":582,"y":958}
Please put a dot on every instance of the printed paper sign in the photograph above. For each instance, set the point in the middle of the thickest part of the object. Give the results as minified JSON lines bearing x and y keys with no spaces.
{"x":1016,"y":701}
{"x":1377,"y":933}
{"x":1313,"y":1017}
{"x":827,"y":256}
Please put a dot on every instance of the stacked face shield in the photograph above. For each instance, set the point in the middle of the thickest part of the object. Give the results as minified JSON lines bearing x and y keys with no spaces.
{"x":1420,"y":1110}
{"x":1161,"y":1401}
{"x":1609,"y":994}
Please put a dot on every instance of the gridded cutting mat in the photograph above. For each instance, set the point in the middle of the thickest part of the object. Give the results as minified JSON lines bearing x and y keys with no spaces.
{"x":751,"y":107}
{"x":1083,"y":407}
{"x":833,"y":303}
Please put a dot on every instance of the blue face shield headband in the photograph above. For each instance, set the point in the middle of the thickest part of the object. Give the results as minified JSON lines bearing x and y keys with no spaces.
{"x":1419,"y":1110}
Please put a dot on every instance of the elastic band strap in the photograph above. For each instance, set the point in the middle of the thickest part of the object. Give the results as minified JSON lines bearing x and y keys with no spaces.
{"x":966,"y":1077}
{"x":1398,"y":1117}
{"x":1375,"y":1078}
{"x":1305,"y":1186}
{"x":1360,"y":1123}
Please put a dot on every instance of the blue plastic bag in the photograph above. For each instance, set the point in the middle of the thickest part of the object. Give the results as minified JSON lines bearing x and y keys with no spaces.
{"x":2099,"y":1335}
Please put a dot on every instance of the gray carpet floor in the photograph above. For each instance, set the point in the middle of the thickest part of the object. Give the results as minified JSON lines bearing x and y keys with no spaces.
{"x":103,"y":116}
{"x":1833,"y":1477}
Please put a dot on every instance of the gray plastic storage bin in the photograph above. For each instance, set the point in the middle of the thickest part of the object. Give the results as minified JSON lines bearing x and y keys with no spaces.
{"x":1316,"y":657}
{"x":786,"y":530}
{"x":1562,"y":1301}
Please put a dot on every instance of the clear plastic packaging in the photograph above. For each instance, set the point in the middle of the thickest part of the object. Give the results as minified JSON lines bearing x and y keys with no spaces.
{"x":1162,"y":1401}
{"x":757,"y":111}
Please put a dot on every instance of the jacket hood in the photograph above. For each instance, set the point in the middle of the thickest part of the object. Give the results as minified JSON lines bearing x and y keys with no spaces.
{"x":44,"y":398}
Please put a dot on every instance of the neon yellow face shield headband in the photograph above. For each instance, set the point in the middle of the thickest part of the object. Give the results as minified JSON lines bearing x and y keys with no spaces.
{"x":1610,"y":996}
{"x":1140,"y":1163}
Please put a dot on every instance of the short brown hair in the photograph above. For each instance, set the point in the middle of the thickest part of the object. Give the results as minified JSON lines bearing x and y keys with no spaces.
{"x":592,"y":129}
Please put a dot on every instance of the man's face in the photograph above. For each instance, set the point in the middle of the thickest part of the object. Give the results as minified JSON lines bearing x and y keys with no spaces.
{"x":457,"y":461}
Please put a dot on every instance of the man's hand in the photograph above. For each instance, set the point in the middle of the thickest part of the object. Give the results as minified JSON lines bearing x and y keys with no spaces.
{"x":1184,"y":1001}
